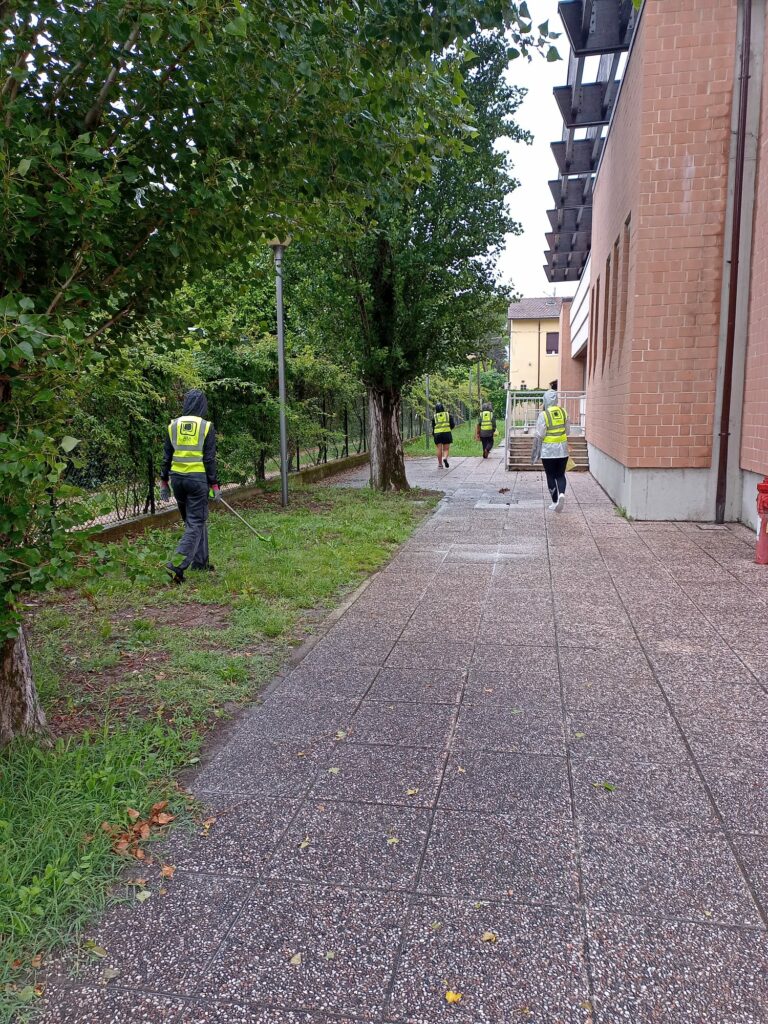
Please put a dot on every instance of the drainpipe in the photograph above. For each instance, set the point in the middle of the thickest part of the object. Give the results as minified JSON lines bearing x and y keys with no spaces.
{"x":733,"y":282}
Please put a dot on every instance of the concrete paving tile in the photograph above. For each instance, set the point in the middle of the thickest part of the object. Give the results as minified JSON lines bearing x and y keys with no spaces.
{"x":487,"y":688}
{"x":403,"y":725}
{"x":532,"y":730}
{"x":244,"y":1013}
{"x":500,"y":631}
{"x":91,"y":1004}
{"x":241,"y":840}
{"x":417,"y":686}
{"x":524,"y":786}
{"x":728,"y":741}
{"x":282,"y":921}
{"x":305,"y":720}
{"x":741,"y":795}
{"x":753,"y":851}
{"x":535,"y":969}
{"x":350,"y":683}
{"x":261,"y":767}
{"x":528,"y":665}
{"x":711,"y":701}
{"x":647,"y":738}
{"x":387,"y":775}
{"x":364,"y":649}
{"x":165,"y":942}
{"x":597,"y":636}
{"x":665,"y":872}
{"x":697,"y":666}
{"x":430,"y":626}
{"x":665,"y":972}
{"x":644,"y":794}
{"x":349,"y":844}
{"x":487,"y":856}
{"x":430,"y":656}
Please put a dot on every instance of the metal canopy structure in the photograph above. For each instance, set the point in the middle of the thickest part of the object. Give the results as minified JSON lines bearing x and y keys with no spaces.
{"x":594,"y":28}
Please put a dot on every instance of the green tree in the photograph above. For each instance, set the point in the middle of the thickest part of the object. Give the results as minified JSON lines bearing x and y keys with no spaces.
{"x":418,"y":291}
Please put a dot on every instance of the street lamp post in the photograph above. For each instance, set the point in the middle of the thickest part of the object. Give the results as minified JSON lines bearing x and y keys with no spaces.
{"x":278,"y":247}
{"x":426,"y":418}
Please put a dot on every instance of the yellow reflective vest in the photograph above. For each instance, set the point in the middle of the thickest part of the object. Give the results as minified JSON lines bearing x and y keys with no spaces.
{"x":442,"y":423}
{"x":188,"y":434}
{"x":486,"y":420}
{"x":555,"y":418}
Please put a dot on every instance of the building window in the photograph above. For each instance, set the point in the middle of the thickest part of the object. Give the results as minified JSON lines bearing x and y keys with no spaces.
{"x":553,"y":343}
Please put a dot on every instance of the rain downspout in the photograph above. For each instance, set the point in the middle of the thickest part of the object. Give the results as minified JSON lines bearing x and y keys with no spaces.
{"x":733,"y":282}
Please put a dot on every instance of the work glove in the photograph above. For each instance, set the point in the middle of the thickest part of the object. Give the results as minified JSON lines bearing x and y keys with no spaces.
{"x":165,"y":491}
{"x":215,"y":493}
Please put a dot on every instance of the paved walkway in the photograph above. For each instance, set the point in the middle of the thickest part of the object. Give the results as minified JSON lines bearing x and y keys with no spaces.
{"x":527,"y":765}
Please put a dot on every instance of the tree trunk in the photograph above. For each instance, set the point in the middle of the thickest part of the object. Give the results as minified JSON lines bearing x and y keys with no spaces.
{"x":386,"y":445}
{"x":20,"y":710}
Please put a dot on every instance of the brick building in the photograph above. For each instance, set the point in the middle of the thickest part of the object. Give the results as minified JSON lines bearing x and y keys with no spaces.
{"x":663,"y":171}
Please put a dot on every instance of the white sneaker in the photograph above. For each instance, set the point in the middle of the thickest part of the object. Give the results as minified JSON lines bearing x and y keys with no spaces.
{"x":560,"y":503}
{"x":553,"y":507}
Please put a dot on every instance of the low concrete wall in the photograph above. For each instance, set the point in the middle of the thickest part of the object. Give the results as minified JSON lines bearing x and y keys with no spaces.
{"x":656,"y":494}
{"x":170,"y":516}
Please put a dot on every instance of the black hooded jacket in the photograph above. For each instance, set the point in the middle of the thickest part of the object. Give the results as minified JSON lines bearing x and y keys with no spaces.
{"x":195,"y":404}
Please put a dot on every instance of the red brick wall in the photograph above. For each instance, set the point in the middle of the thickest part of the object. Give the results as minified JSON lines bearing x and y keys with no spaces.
{"x":651,"y":389}
{"x":754,"y":438}
{"x":571,"y":373}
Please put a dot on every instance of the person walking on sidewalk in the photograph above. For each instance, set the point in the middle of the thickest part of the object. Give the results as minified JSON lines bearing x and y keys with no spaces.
{"x":442,"y":425}
{"x":189,"y":468}
{"x":486,"y":428}
{"x":551,"y":446}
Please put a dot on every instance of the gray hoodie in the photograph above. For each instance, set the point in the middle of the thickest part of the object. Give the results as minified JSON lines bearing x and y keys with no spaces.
{"x":195,"y":404}
{"x":548,"y":451}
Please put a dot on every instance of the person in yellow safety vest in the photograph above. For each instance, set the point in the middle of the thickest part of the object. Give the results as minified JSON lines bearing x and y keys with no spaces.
{"x":486,"y":428}
{"x":442,"y":425}
{"x":189,"y":468}
{"x":551,"y":445}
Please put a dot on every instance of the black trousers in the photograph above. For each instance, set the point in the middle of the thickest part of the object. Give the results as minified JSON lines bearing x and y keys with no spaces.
{"x":555,"y":470}
{"x":487,"y":443}
{"x":191,"y":493}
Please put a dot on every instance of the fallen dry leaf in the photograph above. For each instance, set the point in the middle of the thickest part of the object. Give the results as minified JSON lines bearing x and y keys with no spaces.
{"x":453,"y":997}
{"x":330,"y":955}
{"x":462,"y":771}
{"x":133,"y":814}
{"x":163,"y":819}
{"x":159,"y":806}
{"x":341,"y":734}
{"x":412,"y":791}
{"x":305,"y":842}
{"x":37,"y":961}
{"x":168,"y":870}
{"x":436,"y":926}
{"x":95,"y":949}
{"x":142,"y":895}
{"x":295,"y":960}
{"x":109,"y":974}
{"x":490,"y":937}
{"x":586,"y":1005}
{"x":392,"y":841}
{"x":334,"y":771}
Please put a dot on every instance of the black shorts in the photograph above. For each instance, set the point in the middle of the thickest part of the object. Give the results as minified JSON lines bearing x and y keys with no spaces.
{"x":443,"y":438}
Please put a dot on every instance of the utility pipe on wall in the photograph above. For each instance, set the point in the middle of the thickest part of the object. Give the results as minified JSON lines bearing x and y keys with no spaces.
{"x":730,"y":337}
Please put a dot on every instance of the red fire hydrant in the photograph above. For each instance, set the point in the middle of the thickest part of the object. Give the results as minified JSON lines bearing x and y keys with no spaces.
{"x":761,"y":548}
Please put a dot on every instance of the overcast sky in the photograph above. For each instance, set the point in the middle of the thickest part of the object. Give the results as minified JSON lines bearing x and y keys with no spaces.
{"x":522,"y":263}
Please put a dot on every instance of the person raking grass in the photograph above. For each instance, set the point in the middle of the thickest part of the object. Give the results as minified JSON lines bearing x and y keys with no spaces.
{"x":189,"y":469}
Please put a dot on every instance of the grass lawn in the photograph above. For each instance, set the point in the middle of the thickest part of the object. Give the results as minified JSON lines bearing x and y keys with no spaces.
{"x":464,"y":442}
{"x":133,"y":671}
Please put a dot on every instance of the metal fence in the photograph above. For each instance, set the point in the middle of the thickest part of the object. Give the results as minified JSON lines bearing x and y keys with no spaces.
{"x":115,"y":488}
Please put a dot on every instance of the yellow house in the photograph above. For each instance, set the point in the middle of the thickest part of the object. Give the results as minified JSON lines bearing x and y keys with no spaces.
{"x":534,"y":342}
